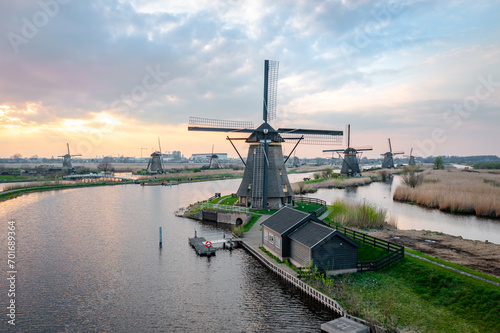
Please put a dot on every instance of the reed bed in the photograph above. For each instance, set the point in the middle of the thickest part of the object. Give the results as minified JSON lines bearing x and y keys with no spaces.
{"x":303,"y":187}
{"x":37,"y":184}
{"x":360,"y":216}
{"x":456,"y":191}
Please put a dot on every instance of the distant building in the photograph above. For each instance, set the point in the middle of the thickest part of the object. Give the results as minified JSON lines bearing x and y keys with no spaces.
{"x":302,"y":239}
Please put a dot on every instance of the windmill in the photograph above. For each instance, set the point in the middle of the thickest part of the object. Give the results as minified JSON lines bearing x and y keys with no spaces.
{"x":388,"y":162}
{"x":67,"y":159}
{"x":350,"y":163}
{"x":214,"y":160}
{"x":155,"y":164}
{"x":265,"y":181}
{"x":411,"y":158}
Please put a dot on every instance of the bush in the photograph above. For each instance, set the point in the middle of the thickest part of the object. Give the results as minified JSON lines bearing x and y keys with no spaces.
{"x":411,"y":177}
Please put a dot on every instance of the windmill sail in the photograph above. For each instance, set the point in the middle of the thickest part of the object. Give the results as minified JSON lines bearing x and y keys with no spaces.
{"x":265,"y":181}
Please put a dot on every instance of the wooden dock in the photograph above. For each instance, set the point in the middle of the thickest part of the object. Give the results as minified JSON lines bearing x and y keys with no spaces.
{"x":198,"y":243}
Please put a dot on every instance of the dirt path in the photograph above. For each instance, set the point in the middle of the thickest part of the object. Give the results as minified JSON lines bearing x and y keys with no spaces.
{"x":477,"y":255}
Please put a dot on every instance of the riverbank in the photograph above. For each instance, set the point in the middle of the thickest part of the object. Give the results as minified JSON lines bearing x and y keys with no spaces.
{"x":13,"y":193}
{"x":456,"y":191}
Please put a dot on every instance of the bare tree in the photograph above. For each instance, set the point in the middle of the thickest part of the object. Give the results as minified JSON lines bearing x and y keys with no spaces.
{"x":105,"y":167}
{"x":411,"y":176}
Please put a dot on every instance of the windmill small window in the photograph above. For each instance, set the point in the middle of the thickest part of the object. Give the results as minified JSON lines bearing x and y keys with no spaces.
{"x":281,"y":173}
{"x":250,"y":186}
{"x":285,"y":187}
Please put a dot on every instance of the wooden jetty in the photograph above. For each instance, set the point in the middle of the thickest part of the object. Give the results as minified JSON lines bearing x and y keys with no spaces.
{"x":198,"y":243}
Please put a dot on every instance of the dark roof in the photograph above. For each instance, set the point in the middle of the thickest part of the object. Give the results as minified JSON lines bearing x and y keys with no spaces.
{"x":284,"y":219}
{"x":312,"y":234}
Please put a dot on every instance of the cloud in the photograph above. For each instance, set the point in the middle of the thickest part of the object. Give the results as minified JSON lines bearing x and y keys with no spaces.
{"x":408,"y":62}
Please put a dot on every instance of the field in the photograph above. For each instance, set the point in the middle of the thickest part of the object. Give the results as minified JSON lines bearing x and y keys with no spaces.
{"x":468,"y":192}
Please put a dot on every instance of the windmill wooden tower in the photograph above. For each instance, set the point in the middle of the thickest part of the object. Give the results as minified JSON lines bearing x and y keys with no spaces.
{"x":388,"y":162}
{"x":411,"y":158}
{"x":155,"y":164}
{"x":67,"y":159}
{"x":214,"y":160}
{"x":265,"y":181}
{"x":350,"y":161}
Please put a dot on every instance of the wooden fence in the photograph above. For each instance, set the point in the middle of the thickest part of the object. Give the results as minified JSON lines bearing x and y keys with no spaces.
{"x":396,"y":252}
{"x":318,"y":211}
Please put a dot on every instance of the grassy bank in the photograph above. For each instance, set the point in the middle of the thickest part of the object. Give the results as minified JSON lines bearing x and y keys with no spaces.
{"x":311,"y":186}
{"x":456,"y":191}
{"x":25,"y":190}
{"x":413,"y":295}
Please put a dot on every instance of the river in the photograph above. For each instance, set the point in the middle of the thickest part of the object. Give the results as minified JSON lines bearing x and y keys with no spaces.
{"x":88,"y":260}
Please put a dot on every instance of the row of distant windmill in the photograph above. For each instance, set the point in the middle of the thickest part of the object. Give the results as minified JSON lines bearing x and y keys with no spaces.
{"x":265,"y":181}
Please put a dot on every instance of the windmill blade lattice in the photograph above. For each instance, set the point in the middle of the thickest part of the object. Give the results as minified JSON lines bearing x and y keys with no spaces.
{"x":219,"y":125}
{"x":272,"y":90}
{"x":312,"y":137}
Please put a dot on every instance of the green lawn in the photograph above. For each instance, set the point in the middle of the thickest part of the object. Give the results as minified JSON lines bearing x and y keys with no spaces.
{"x":413,"y":295}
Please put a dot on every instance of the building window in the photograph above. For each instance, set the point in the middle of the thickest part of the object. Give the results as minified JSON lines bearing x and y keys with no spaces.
{"x":266,"y":234}
{"x":271,"y":238}
{"x":278,"y":241}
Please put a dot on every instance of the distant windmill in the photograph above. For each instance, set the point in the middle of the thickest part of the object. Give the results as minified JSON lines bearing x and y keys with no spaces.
{"x":214,"y":160}
{"x":388,"y":162}
{"x":155,"y":164}
{"x":411,"y":158}
{"x":67,"y":159}
{"x":265,"y":182}
{"x":350,"y":164}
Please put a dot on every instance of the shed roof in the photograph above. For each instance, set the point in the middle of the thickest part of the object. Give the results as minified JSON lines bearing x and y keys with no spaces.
{"x":284,"y":219}
{"x":312,"y":234}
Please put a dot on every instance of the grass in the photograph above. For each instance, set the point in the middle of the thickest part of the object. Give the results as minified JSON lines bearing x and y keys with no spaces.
{"x":307,"y":207}
{"x":457,"y":192}
{"x":272,"y":256}
{"x":413,"y":295}
{"x":456,"y":266}
{"x":358,"y":215}
{"x":247,"y":226}
{"x":311,"y":186}
{"x":367,"y":252}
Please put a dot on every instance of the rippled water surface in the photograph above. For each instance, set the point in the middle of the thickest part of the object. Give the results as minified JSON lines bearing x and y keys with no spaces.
{"x":88,"y":260}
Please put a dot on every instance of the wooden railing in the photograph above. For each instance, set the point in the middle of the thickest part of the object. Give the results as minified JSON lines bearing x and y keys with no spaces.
{"x":318,"y":211}
{"x":396,"y":252}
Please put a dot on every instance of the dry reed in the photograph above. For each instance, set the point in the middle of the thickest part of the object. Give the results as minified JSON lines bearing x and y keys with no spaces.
{"x":456,"y":191}
{"x":302,"y":187}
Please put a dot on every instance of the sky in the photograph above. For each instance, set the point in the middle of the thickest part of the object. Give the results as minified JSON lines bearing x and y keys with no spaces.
{"x":110,"y":77}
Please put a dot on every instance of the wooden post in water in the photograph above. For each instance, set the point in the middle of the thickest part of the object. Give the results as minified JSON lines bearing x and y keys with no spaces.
{"x":160,"y":238}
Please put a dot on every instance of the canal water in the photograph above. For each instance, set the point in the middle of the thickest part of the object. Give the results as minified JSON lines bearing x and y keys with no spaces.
{"x":409,"y":217}
{"x":88,"y":260}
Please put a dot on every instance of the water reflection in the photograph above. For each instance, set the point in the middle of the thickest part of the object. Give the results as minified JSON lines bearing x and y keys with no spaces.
{"x":415,"y":217}
{"x":90,"y":261}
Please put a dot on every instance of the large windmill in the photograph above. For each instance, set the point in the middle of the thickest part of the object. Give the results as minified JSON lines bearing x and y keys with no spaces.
{"x":350,"y":163}
{"x":411,"y":158}
{"x":265,"y":182}
{"x":214,"y":160}
{"x":67,"y":159}
{"x":155,"y":164}
{"x":388,"y":162}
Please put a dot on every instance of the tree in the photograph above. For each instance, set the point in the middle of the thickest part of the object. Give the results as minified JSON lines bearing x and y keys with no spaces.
{"x":438,"y":163}
{"x":105,"y":167}
{"x":411,"y":176}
